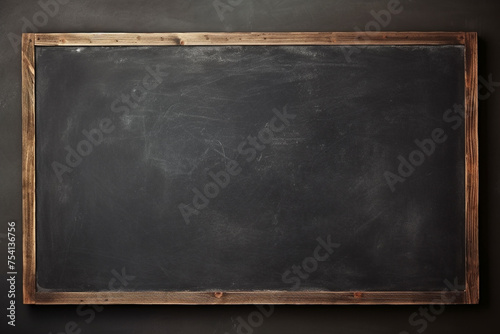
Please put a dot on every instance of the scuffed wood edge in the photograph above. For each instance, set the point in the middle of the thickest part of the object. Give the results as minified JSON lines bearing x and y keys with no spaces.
{"x":28,"y":166}
{"x":471,"y":171}
{"x":251,"y":38}
{"x":255,"y":297}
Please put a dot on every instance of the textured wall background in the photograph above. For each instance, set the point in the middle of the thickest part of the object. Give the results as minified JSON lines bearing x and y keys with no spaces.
{"x":482,"y":16}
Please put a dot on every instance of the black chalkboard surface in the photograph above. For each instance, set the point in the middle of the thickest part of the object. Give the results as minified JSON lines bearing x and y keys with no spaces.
{"x":213,"y":168}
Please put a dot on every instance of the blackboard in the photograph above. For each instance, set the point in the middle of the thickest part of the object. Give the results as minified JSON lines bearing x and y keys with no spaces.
{"x":229,"y":172}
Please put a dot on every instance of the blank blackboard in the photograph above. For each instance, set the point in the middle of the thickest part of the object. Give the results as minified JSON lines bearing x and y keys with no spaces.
{"x":282,"y":172}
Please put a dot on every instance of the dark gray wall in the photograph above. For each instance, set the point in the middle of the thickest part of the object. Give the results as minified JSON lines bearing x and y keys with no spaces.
{"x":259,"y":15}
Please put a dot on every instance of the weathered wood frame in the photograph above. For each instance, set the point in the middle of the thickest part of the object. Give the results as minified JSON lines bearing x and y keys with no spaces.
{"x":470,"y":295}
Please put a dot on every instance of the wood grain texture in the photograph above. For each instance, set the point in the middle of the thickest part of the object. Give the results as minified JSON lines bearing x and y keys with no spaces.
{"x":255,"y":297}
{"x":471,"y":293}
{"x":471,"y":171}
{"x":253,"y":38}
{"x":28,"y":173}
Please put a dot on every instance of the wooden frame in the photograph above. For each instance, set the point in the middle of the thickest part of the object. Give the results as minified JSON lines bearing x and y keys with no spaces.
{"x":468,"y":296}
